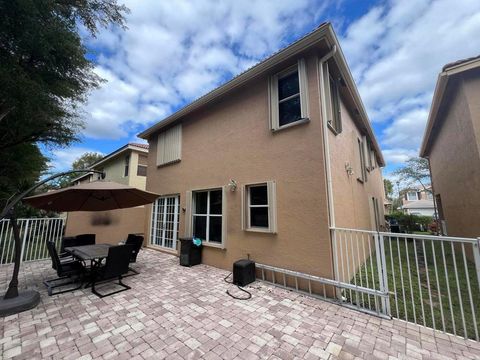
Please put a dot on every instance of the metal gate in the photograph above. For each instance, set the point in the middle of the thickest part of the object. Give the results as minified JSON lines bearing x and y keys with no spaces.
{"x":432,"y":281}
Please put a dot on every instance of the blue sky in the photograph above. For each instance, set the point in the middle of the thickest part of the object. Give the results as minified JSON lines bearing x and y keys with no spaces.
{"x":173,"y":52}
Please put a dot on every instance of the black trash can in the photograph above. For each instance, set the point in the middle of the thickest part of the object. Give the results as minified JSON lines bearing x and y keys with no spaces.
{"x":190,"y":254}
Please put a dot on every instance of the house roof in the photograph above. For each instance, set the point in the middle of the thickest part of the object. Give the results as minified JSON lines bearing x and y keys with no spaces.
{"x":323,"y":32}
{"x":448,"y":71}
{"x":419,"y":204}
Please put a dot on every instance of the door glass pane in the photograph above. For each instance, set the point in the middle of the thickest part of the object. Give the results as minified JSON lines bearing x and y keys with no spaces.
{"x":200,"y":227}
{"x":201,"y":202}
{"x":216,"y":229}
{"x":258,"y":195}
{"x":259,"y":217}
{"x":288,"y":86}
{"x":216,"y":202}
{"x":289,"y":111}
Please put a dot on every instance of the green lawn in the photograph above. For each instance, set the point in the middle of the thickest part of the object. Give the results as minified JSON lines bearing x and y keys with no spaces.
{"x":408,"y":286}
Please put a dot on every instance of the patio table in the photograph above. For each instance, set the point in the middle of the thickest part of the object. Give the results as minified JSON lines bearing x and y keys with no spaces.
{"x":89,"y":252}
{"x":93,"y":253}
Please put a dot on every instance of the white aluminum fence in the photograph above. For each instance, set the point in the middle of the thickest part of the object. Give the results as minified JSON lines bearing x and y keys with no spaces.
{"x":433,"y":281}
{"x":34,"y":234}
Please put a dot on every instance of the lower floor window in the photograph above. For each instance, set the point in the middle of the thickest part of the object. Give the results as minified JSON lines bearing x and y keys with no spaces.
{"x":207,"y":215}
{"x":259,"y":212}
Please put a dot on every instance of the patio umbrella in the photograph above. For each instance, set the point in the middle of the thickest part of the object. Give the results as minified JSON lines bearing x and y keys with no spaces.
{"x":94,"y":196}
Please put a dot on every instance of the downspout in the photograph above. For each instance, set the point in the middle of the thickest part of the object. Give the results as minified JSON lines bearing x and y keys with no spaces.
{"x":331,"y":210}
{"x":435,"y":208}
{"x":328,"y":173}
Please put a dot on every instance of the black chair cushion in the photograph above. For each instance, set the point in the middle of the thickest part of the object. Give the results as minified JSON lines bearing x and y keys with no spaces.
{"x":136,"y":241}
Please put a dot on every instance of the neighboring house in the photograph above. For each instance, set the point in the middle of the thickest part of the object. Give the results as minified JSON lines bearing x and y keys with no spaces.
{"x":418,"y":201}
{"x":126,"y":165}
{"x":452,"y":145}
{"x":263,"y":165}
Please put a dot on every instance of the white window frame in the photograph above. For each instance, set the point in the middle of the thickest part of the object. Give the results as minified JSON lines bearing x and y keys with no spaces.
{"x":411,"y":192}
{"x":362,"y":163}
{"x":332,"y":101}
{"x":126,"y":166}
{"x":300,"y":67}
{"x":271,"y":205}
{"x":190,"y":213}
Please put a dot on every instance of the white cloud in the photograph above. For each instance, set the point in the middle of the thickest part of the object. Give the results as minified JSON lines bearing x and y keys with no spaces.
{"x":396,"y":51}
{"x":406,"y":130}
{"x":398,"y":155}
{"x":174,"y":52}
{"x":62,"y":159}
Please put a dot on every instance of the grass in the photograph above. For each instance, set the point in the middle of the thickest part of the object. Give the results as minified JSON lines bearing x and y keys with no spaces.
{"x":409,"y":285}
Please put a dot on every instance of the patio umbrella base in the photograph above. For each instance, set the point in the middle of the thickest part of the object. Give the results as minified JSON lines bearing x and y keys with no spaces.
{"x":24,"y":301}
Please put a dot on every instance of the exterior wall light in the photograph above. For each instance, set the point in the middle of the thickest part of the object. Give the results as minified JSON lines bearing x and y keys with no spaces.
{"x":232,"y":185}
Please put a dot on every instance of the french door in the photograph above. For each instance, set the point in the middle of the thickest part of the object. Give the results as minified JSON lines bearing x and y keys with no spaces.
{"x":164,"y":229}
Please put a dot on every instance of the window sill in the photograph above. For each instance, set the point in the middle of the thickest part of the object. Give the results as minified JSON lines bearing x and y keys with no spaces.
{"x":168,"y":163}
{"x":213,"y":245}
{"x":332,"y":129}
{"x":298,"y":122}
{"x":260,"y":230}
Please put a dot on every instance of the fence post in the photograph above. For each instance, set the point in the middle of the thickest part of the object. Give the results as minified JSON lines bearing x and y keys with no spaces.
{"x":24,"y":239}
{"x":333,"y":236}
{"x":476,"y":256}
{"x":382,"y":273}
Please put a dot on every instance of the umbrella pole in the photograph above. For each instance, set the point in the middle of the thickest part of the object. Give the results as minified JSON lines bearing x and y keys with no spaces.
{"x":14,"y":302}
{"x":13,"y":286}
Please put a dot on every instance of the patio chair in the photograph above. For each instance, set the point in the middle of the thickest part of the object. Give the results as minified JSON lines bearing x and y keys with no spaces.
{"x":85,"y":239}
{"x":72,"y":271}
{"x":115,"y":267}
{"x":136,"y":242}
{"x":67,"y":241}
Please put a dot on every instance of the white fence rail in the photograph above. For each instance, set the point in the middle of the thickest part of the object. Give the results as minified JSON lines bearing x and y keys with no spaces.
{"x":34,"y":234}
{"x":433,"y":281}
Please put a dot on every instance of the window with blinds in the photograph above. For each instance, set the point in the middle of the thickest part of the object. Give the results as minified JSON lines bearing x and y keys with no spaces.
{"x":169,"y":146}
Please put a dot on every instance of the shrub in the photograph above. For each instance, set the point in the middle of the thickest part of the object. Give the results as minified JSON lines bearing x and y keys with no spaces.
{"x":410,"y":223}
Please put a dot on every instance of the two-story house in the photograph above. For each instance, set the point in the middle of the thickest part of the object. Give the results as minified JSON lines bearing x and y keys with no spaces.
{"x":451,"y":144}
{"x":418,"y":201}
{"x":264,"y":165}
{"x":126,"y":165}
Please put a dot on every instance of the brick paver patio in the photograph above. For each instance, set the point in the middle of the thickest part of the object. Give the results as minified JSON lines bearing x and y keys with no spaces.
{"x":175,"y":312}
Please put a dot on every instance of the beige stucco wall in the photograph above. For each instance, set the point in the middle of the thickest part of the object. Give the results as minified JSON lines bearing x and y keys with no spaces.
{"x":352,"y":198}
{"x":114,"y":169}
{"x":454,"y":156}
{"x":109,"y":226}
{"x":232,"y":140}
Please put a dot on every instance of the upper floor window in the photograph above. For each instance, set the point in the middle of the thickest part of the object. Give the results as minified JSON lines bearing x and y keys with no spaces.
{"x":412,"y":195}
{"x":127,"y":165}
{"x":142,"y":165}
{"x":362,"y":164}
{"x":289,"y":99}
{"x":331,"y":89}
{"x":169,"y":145}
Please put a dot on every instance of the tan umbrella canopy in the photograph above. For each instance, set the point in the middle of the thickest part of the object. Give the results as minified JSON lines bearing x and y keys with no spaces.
{"x":93,"y":196}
